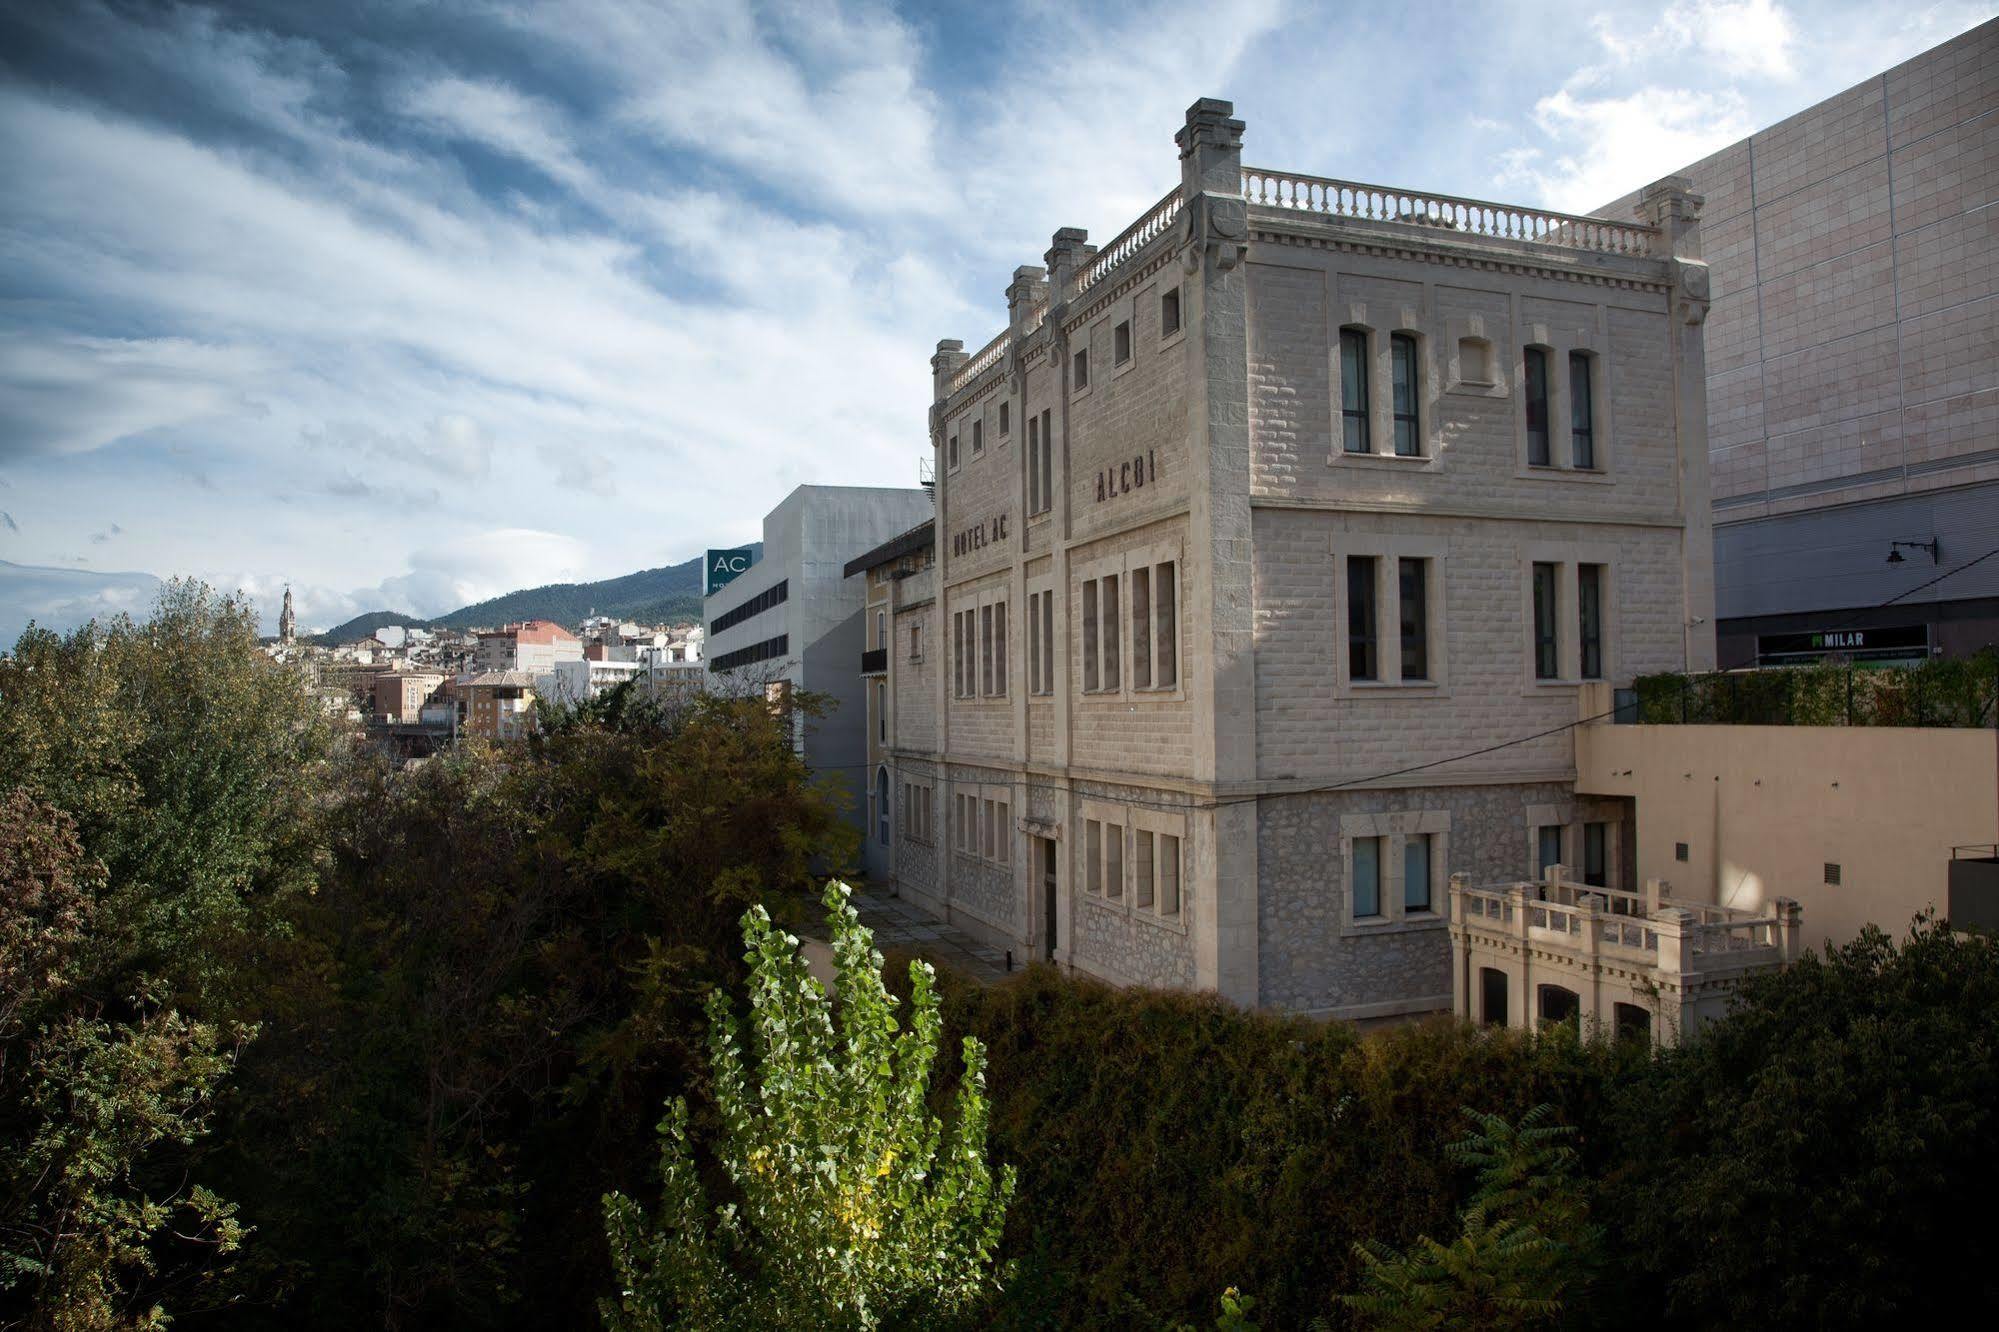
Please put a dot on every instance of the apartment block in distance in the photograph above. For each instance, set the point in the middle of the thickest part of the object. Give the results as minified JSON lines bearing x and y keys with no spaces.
{"x":1265,"y":535}
{"x":1853,"y":367}
{"x":793,"y":620}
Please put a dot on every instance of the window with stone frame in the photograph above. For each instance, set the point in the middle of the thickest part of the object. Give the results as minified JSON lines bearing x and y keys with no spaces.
{"x":1396,"y":867}
{"x":1005,"y":419}
{"x":1535,"y":392}
{"x":978,"y":436}
{"x":1155,"y":633}
{"x":1081,"y":362}
{"x":979,"y":648}
{"x":1355,"y":432}
{"x":1169,"y":313}
{"x":1041,"y":641}
{"x":1101,"y":632}
{"x":1121,"y":343}
{"x":1405,"y":393}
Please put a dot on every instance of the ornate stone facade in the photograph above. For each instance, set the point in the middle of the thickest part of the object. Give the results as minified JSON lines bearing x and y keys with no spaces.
{"x":1243,"y":523}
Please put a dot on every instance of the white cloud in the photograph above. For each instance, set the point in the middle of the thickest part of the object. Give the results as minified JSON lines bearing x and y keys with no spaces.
{"x":75,"y":394}
{"x":1743,"y":37}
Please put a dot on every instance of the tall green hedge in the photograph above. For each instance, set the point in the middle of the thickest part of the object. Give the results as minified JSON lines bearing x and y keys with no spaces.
{"x":1939,"y":692}
{"x":1170,"y":1146}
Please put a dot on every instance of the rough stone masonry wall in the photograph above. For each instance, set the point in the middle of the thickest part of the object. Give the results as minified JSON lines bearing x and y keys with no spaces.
{"x":1311,"y":959}
{"x":915,"y":706}
{"x":1115,"y":939}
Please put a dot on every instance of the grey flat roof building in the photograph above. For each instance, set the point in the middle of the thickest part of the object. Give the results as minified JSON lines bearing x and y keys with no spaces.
{"x":794,"y":617}
{"x":1853,"y":363}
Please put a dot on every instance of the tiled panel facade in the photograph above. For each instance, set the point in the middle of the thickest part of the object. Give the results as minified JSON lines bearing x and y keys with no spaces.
{"x":1855,"y":257}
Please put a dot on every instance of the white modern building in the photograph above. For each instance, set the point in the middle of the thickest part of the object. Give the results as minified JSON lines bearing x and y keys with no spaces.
{"x":794,"y":621}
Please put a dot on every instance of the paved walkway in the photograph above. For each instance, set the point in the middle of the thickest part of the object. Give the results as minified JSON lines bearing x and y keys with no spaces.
{"x":899,"y":926}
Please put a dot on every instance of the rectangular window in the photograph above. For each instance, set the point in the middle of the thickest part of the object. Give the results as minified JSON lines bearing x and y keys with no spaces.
{"x":1091,"y":681}
{"x":1361,"y":664}
{"x":1121,"y":343}
{"x":916,"y":642}
{"x":1141,"y":628}
{"x":951,"y":454}
{"x":1582,"y":416}
{"x":1047,"y":461}
{"x":987,"y":830}
{"x":1416,"y":872}
{"x":1048,"y":641}
{"x":985,"y":649}
{"x":1589,"y":618}
{"x":1141,"y":867}
{"x":1353,"y":389}
{"x":1402,"y":367}
{"x":1114,"y":860}
{"x":1166,"y":664}
{"x":1107,"y":602}
{"x":1034,"y":642}
{"x":1547,"y":664}
{"x":1596,"y":859}
{"x":1093,"y":855}
{"x":881,"y":711}
{"x":1003,"y":831}
{"x":978,"y":437}
{"x":1366,"y":877}
{"x":1034,"y":504}
{"x":1547,"y":849}
{"x":999,"y":647}
{"x":1169,"y":313}
{"x":1006,"y":419}
{"x":1169,"y":875}
{"x":1537,"y":407}
{"x":1082,"y":375}
{"x":1414,"y":579}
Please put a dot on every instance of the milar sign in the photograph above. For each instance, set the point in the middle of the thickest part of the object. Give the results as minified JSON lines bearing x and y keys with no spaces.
{"x":723,"y":566}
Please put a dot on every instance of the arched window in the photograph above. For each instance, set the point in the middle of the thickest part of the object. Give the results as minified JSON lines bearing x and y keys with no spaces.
{"x":1560,"y":1004}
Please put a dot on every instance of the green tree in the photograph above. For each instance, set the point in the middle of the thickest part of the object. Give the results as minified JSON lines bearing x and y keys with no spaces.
{"x":850,"y":1208}
{"x":1824,"y":1156}
{"x":194,"y":768}
{"x":1524,"y":1248}
{"x":88,"y":1103}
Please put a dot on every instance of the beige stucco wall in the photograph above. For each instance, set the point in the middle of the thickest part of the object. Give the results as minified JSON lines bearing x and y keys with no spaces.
{"x":1764,"y":809}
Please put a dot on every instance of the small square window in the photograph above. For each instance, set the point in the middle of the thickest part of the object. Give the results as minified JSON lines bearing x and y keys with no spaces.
{"x":1679,"y":850}
{"x":1169,"y":313}
{"x":1831,"y":875}
{"x":1121,"y":343}
{"x":1082,"y":375}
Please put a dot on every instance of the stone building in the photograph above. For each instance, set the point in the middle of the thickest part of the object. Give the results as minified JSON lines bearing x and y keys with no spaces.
{"x":890,"y":596}
{"x":1853,"y":366}
{"x":1265,"y":534}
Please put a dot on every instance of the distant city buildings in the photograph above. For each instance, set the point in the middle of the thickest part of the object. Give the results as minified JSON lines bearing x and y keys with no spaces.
{"x":532,"y":647}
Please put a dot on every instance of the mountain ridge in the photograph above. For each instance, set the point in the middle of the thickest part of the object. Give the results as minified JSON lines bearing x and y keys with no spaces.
{"x":670,"y":592}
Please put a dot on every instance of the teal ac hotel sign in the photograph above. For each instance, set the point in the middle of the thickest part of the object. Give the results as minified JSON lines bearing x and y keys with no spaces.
{"x":723,"y":566}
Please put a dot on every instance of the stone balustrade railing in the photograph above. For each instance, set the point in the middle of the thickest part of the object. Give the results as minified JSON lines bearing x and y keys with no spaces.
{"x":1130,"y":241}
{"x":1477,"y":217}
{"x":982,"y":360}
{"x":1621,"y":918}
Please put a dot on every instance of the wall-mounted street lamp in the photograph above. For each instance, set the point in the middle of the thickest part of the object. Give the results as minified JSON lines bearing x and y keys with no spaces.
{"x":1895,"y":549}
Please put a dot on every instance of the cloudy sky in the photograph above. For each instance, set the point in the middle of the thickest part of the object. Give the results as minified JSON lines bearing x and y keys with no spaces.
{"x":410,"y":304}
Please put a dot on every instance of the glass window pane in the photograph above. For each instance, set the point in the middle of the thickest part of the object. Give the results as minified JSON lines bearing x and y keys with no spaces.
{"x":1549,"y":851}
{"x":1360,"y":617}
{"x":1537,"y":407}
{"x":1114,"y":859}
{"x":1090,"y":676}
{"x":1048,"y":642}
{"x":1581,"y":411}
{"x":1416,"y":873}
{"x":1141,"y":867}
{"x":1402,"y":357}
{"x":1110,"y":634}
{"x":1589,"y":609}
{"x":1353,"y":389}
{"x":1141,"y":628}
{"x":1169,"y":875}
{"x":1547,"y":665}
{"x":1093,"y":850}
{"x":1164,"y":592}
{"x":1366,"y":876}
{"x":1415,"y":620}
